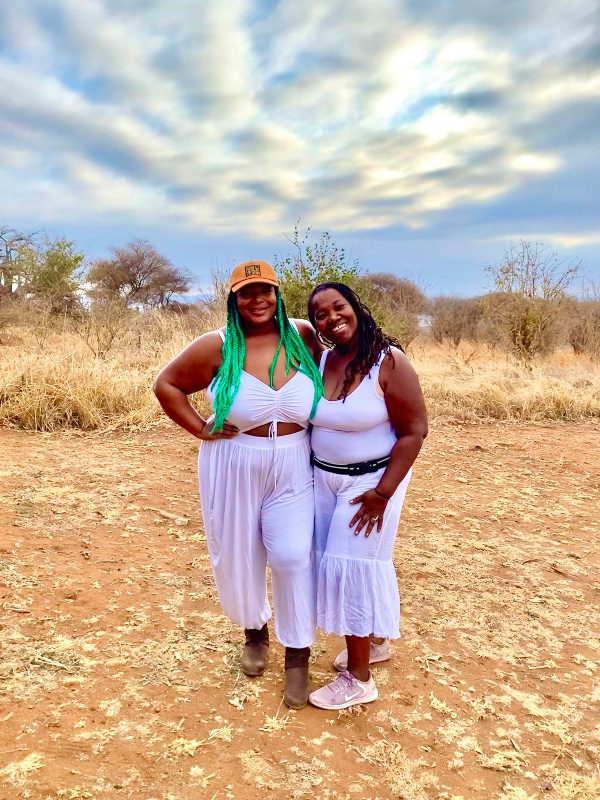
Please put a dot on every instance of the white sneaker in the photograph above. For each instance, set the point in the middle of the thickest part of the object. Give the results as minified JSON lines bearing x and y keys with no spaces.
{"x":377,"y":653}
{"x":343,"y":692}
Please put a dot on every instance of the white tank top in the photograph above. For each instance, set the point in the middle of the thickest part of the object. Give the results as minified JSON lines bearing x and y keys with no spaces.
{"x":258,"y":404}
{"x":355,"y":429}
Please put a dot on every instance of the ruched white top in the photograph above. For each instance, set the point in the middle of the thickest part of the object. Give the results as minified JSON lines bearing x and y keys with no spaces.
{"x":355,"y":429}
{"x":258,"y":404}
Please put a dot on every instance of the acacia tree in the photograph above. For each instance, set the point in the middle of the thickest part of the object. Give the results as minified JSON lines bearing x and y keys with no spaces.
{"x":54,"y":275}
{"x":530,"y":283}
{"x":137,"y":275}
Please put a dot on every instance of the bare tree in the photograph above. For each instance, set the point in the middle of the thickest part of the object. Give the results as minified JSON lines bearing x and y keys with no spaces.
{"x":396,"y":304}
{"x":454,"y":319}
{"x":9,"y":311}
{"x":102,"y":325}
{"x":399,"y":291}
{"x":137,"y":275}
{"x":532,"y":271}
{"x":530,"y":283}
{"x":583,"y":321}
{"x":13,"y":244}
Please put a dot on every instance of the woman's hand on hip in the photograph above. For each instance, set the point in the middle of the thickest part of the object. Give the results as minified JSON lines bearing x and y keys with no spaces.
{"x":370,"y":513}
{"x":228,"y":432}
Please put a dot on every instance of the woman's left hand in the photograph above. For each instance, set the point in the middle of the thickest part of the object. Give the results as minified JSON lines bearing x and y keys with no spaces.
{"x":370,"y":512}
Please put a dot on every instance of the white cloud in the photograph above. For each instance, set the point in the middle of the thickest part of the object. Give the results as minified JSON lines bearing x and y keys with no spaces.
{"x":552,"y":238}
{"x":533,"y":162}
{"x":350,"y":115}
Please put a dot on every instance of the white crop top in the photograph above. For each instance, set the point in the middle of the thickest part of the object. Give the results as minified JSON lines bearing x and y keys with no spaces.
{"x":355,"y":429}
{"x":257,"y":404}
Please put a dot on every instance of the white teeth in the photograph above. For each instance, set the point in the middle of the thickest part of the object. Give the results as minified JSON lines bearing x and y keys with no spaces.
{"x":339,"y":327}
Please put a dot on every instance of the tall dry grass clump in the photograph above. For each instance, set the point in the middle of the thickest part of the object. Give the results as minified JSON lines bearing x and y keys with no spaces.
{"x":474,"y":381}
{"x":68,"y":389}
{"x":64,"y":384}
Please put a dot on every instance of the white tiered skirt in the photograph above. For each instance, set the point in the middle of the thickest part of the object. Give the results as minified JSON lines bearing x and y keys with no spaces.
{"x":357,"y":589}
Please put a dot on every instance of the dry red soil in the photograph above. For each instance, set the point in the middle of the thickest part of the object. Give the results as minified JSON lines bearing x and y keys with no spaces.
{"x":119,"y":676}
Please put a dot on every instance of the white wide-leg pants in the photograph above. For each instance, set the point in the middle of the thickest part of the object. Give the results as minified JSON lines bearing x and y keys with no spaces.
{"x":258,"y":507}
{"x":357,"y":589}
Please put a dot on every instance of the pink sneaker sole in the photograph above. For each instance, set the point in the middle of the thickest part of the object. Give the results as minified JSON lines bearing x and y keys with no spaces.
{"x":341,"y":661}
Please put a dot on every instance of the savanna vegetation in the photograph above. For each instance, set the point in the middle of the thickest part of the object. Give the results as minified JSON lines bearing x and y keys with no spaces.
{"x":121,"y":676}
{"x":80,"y":343}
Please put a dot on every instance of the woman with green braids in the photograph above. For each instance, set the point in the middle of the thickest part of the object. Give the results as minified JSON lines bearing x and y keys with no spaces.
{"x":256,"y":482}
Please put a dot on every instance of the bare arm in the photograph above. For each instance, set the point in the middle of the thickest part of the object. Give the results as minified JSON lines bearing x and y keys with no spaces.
{"x":191,"y":371}
{"x":406,"y":409}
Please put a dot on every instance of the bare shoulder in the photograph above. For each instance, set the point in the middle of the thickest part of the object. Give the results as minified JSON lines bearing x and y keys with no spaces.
{"x":195,"y":367}
{"x":307,"y":332}
{"x":393,"y":358}
{"x":396,"y":368}
{"x":303,"y":326}
{"x":205,"y":347}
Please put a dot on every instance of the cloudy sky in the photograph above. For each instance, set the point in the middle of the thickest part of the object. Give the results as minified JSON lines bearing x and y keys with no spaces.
{"x":425,"y":135}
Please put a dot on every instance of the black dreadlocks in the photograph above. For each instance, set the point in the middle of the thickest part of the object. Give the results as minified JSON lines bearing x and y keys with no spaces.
{"x":372,"y":341}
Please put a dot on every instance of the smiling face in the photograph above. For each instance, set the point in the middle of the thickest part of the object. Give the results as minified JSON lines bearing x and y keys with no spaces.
{"x":334,"y":317}
{"x":257,"y":303}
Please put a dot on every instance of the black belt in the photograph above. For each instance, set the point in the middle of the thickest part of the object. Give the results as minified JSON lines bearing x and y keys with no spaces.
{"x":361,"y":468}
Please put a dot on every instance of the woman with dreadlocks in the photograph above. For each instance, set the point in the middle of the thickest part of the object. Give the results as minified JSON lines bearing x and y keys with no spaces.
{"x":255,"y":477}
{"x":367,"y":431}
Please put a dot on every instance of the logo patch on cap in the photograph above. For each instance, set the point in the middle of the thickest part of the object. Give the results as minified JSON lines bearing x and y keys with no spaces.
{"x":252,"y":269}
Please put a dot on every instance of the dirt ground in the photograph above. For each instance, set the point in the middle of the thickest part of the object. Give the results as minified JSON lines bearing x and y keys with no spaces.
{"x":119,"y":677}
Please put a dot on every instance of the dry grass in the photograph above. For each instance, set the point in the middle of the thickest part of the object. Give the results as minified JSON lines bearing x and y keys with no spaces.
{"x":70,"y":390}
{"x":62,"y":385}
{"x":473,"y":382}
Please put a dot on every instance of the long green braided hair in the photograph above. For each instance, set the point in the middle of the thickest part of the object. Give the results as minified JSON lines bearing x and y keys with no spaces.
{"x":227,"y":380}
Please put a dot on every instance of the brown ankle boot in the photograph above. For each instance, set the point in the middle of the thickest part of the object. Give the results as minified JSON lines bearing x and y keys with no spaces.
{"x":295,"y":694}
{"x":255,"y":654}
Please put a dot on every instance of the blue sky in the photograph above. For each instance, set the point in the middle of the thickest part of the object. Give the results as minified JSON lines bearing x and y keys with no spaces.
{"x":426,"y":137}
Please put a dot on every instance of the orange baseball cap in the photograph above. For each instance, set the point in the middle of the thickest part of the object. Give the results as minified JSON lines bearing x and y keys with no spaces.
{"x":252,"y":272}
